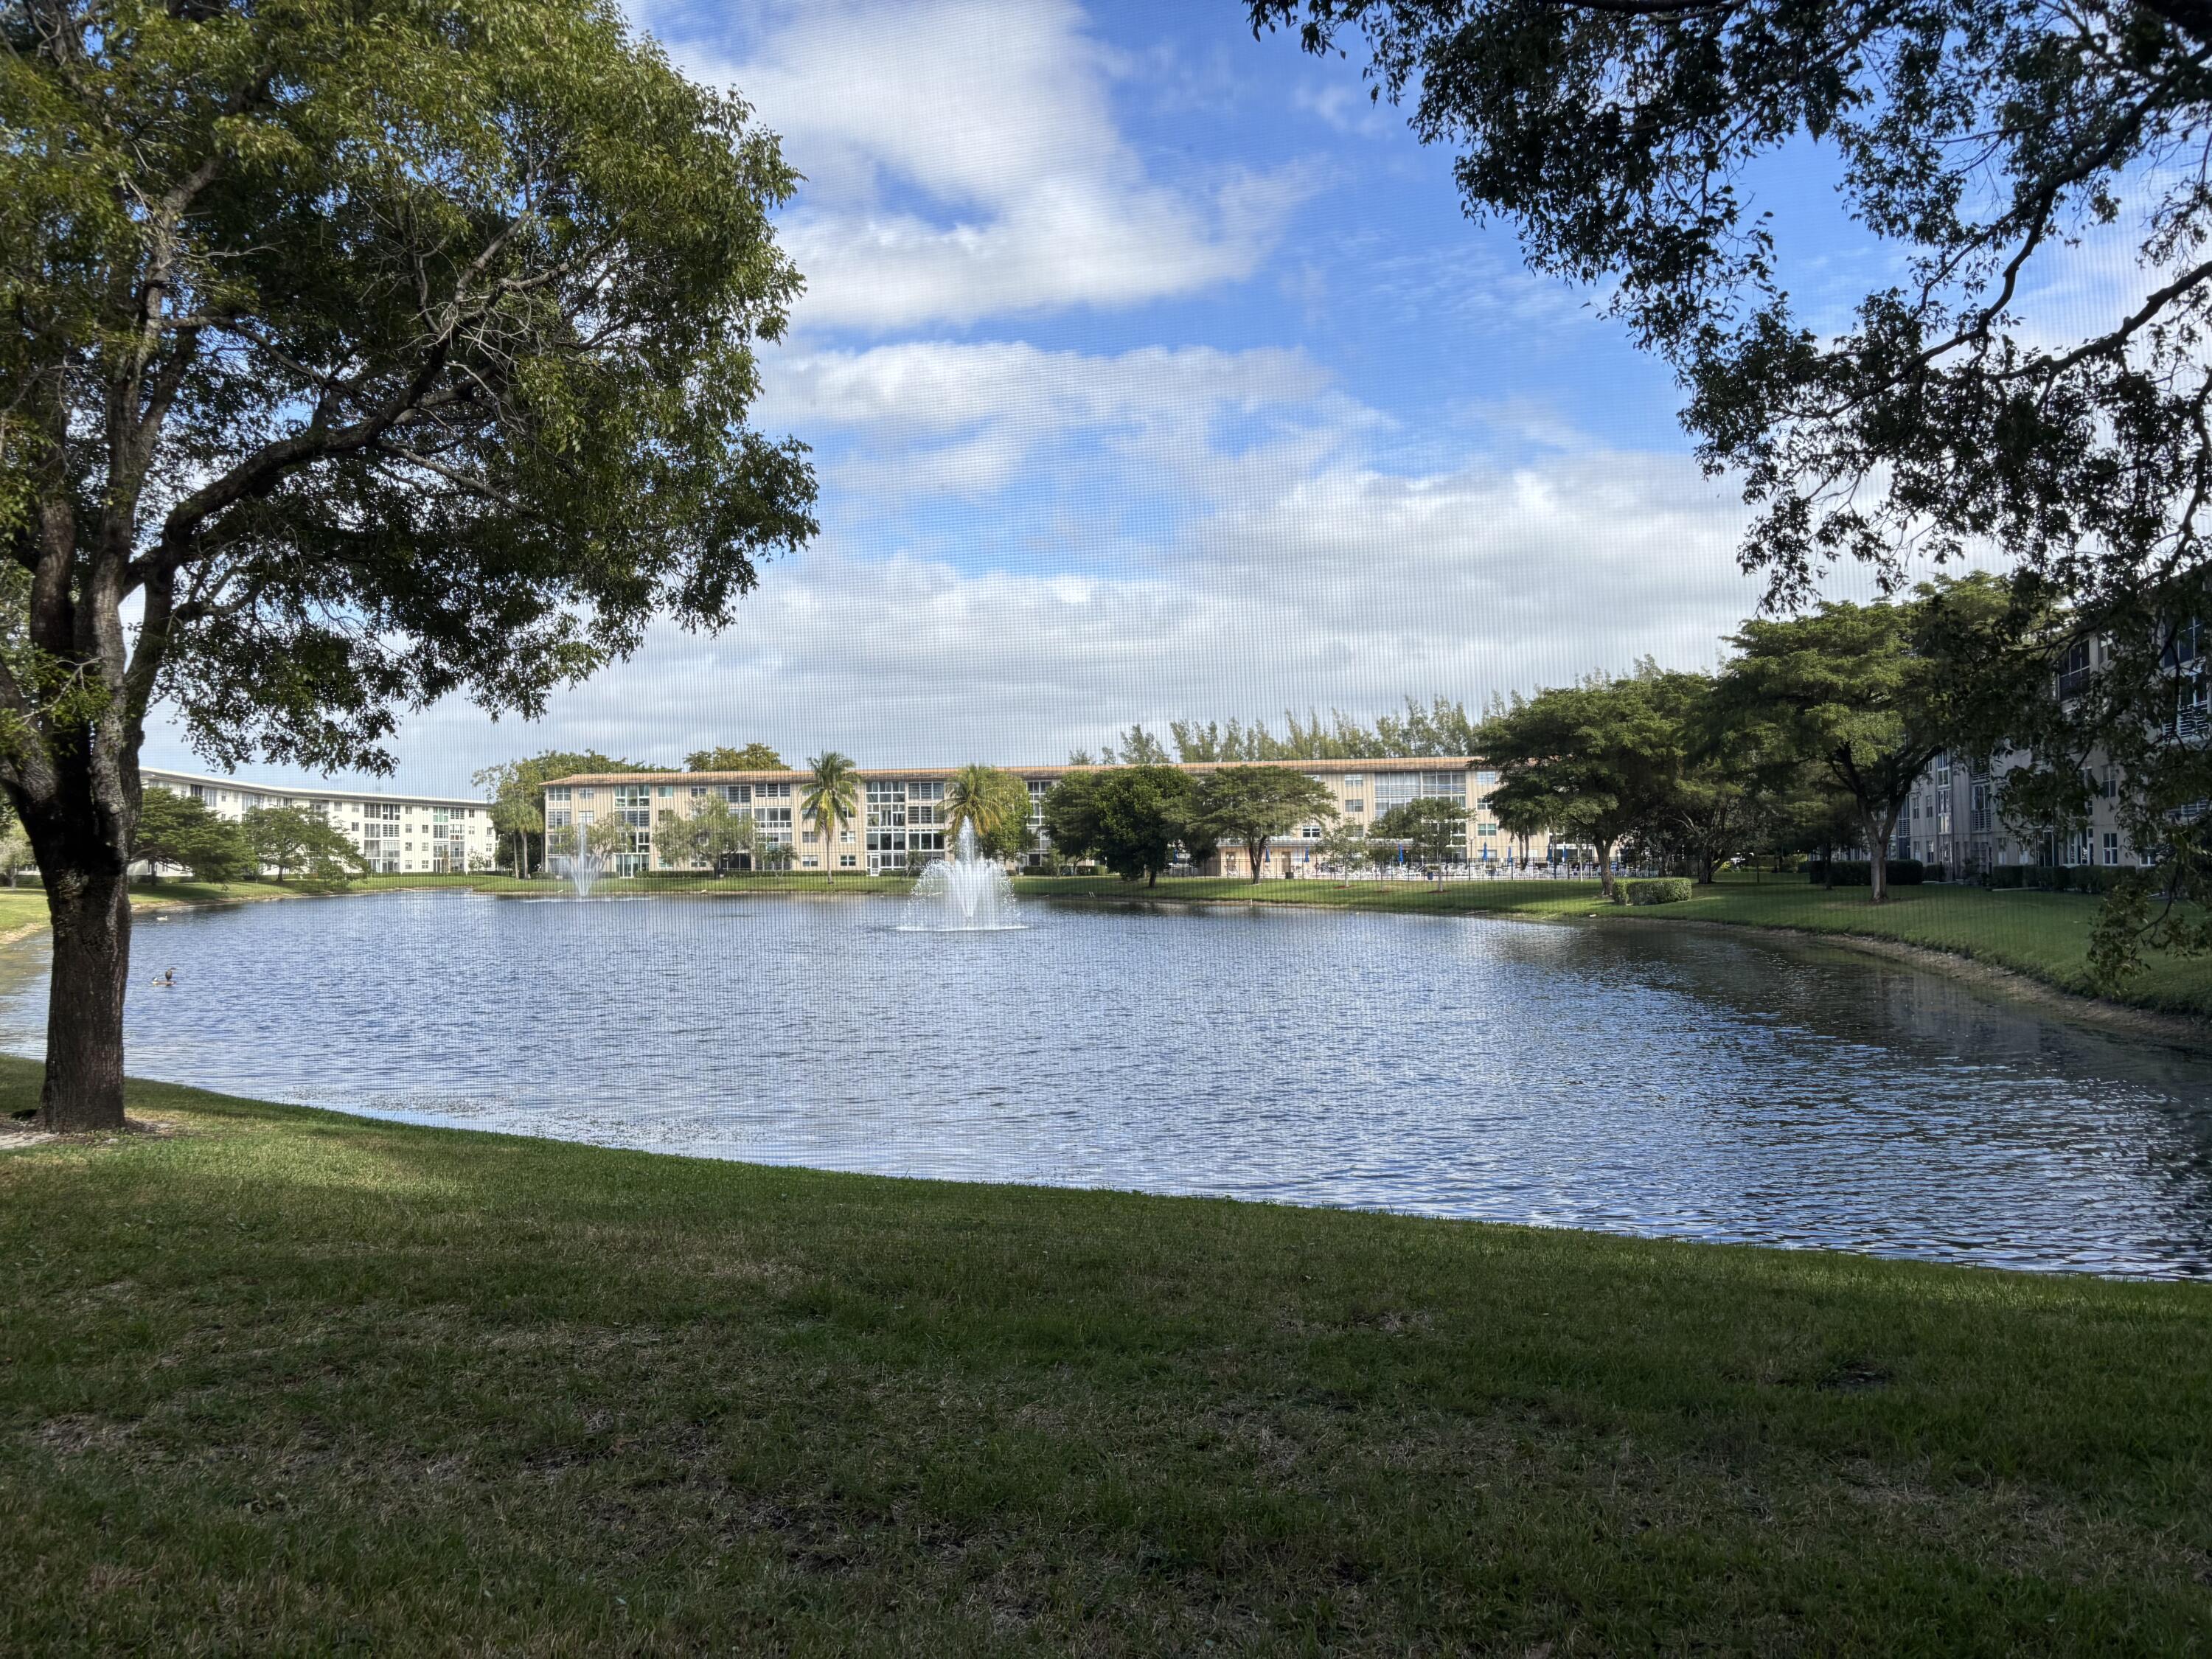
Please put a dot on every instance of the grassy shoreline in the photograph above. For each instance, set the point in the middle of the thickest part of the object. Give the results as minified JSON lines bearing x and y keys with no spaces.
{"x":2041,"y":936}
{"x":290,"y":1381}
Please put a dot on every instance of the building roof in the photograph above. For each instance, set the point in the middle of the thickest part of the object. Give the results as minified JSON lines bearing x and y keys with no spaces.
{"x":303,"y":791}
{"x":932,"y":774}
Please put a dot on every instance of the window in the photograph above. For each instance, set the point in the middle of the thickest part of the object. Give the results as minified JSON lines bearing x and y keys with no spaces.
{"x":2111,"y":847}
{"x":560,"y":795}
{"x":698,"y":792}
{"x":1355,"y":805}
{"x":1486,"y":775}
{"x":666,"y":792}
{"x":845,"y":860}
{"x":584,"y":794}
{"x":2074,"y":670}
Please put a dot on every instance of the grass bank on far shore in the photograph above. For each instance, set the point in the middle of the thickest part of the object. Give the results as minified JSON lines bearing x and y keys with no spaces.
{"x":2044,"y":936}
{"x":289,"y":1382}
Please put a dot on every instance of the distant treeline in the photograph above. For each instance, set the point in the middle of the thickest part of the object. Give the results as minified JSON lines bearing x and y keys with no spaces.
{"x":1442,"y":728}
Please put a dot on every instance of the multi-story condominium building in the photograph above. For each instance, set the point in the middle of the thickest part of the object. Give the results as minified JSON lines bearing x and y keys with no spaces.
{"x":395,"y":834}
{"x":1953,"y":818}
{"x":899,"y":824}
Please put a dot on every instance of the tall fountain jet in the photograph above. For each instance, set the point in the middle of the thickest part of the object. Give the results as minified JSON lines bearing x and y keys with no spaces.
{"x":962,"y":894}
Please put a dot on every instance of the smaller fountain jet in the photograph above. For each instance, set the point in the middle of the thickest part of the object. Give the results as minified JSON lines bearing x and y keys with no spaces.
{"x":581,"y":868}
{"x":962,"y":894}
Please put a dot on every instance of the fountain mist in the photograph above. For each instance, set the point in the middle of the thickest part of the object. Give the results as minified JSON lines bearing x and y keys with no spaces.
{"x":962,"y":894}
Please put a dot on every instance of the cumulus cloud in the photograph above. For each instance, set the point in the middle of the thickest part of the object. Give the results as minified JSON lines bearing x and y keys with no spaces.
{"x":1349,"y":589}
{"x":964,"y":162}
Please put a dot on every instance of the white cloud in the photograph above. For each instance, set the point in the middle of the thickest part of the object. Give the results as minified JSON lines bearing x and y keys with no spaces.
{"x":1349,"y":588}
{"x":1155,"y":427}
{"x":964,"y":162}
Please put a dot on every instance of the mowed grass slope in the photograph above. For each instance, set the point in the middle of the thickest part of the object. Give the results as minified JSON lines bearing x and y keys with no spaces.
{"x":289,"y":1382}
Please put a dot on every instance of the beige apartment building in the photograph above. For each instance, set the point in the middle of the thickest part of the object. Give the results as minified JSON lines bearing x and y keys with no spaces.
{"x":397,"y":834}
{"x":899,"y":824}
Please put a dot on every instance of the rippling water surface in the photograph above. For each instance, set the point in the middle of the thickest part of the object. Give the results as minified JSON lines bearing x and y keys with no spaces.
{"x":1636,"y":1079}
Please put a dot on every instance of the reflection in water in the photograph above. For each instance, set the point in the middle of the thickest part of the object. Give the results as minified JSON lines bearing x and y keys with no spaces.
{"x":1629,"y":1078}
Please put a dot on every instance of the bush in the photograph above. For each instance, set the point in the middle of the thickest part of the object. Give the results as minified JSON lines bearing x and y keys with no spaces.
{"x":1858,"y":872}
{"x":1662,"y":889}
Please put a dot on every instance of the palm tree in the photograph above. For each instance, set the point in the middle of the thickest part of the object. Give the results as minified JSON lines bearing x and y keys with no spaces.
{"x":997,"y":803}
{"x":829,"y":800}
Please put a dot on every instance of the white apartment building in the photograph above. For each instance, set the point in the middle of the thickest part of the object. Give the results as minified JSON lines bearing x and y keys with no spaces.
{"x":395,"y":834}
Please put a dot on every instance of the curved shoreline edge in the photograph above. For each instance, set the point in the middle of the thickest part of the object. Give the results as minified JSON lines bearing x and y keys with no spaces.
{"x":2184,"y":1031}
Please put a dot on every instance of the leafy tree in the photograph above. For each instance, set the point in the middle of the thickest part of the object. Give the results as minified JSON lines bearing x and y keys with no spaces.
{"x":1980,"y":139}
{"x":1253,"y":805}
{"x":356,"y":356}
{"x":288,"y":839}
{"x":1732,"y":765}
{"x":997,"y":803}
{"x":1872,"y":693}
{"x":16,"y":853}
{"x":753,"y":757}
{"x":709,"y":834}
{"x":828,"y":801}
{"x":1345,"y":846}
{"x":1426,"y":827}
{"x":1811,"y":816}
{"x":606,"y":839}
{"x":1130,"y":821}
{"x":178,"y":830}
{"x":1597,"y":761}
{"x":1961,"y":406}
{"x":1071,"y":815}
{"x":1522,"y":818}
{"x":1440,"y":729}
{"x":1138,"y":748}
{"x":518,"y":797}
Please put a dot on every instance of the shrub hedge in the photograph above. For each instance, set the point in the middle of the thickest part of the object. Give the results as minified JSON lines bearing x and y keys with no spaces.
{"x":1658,"y":889}
{"x":1858,"y":872}
{"x":2054,"y":878}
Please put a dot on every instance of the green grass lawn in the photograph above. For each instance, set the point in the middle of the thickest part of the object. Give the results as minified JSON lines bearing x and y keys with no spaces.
{"x":2043,"y":935}
{"x":293,"y":1382}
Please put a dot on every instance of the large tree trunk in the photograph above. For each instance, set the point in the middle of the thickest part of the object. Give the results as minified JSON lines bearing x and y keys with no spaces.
{"x":1256,"y":850}
{"x":91,"y":913}
{"x":1877,"y":834}
{"x":1605,"y":868}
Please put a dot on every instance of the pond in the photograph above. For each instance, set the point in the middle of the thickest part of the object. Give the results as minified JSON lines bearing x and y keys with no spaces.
{"x":1637,"y":1079}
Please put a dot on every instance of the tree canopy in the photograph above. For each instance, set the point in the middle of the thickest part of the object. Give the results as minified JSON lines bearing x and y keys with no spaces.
{"x":753,"y":757}
{"x":1131,"y":821}
{"x":710,"y":833}
{"x":1874,"y":693}
{"x":1596,"y":761}
{"x":176,"y":829}
{"x":1428,"y":827}
{"x":1253,"y":805}
{"x":518,"y":796}
{"x":287,"y":841}
{"x":359,"y":354}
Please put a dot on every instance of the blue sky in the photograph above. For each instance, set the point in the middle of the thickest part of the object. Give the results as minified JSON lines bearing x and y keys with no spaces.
{"x":1152,"y":370}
